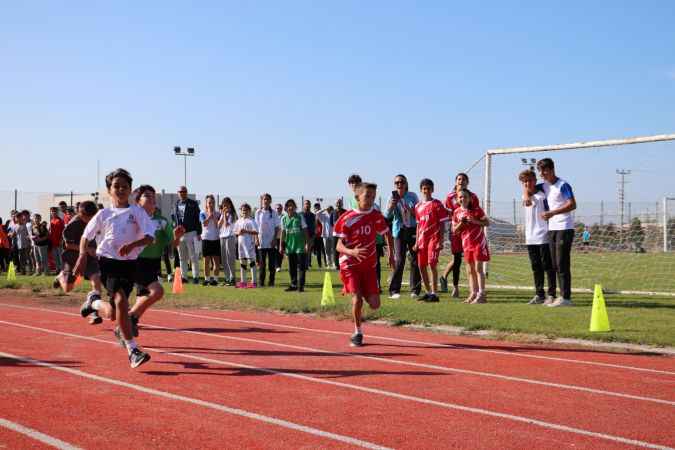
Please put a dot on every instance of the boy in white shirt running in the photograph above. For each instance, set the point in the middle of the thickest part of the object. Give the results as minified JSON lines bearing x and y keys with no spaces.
{"x":536,"y":238}
{"x":122,"y":230}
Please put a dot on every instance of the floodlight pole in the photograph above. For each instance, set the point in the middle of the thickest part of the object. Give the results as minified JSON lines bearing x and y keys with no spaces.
{"x":180,"y":152}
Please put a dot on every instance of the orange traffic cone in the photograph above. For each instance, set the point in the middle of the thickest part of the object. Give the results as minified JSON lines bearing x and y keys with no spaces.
{"x":177,"y":281}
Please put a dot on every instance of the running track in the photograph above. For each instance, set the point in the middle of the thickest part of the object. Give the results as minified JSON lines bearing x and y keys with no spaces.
{"x":223,"y":379}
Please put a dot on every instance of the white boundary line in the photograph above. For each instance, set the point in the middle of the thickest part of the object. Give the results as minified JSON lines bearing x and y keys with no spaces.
{"x":430,"y":344}
{"x":445,"y":405}
{"x":406,"y":363}
{"x":34,"y":434}
{"x":194,"y":401}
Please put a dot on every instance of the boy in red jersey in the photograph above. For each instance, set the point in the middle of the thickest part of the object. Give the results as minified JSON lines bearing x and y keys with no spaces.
{"x":469,"y":223}
{"x":356,"y":231}
{"x":431,"y":216}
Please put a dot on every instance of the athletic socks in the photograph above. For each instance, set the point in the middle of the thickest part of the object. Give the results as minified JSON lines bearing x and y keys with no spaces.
{"x":96,"y":304}
{"x":357,"y":330}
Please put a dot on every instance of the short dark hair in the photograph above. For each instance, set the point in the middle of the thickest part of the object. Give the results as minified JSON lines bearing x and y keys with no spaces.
{"x":317,"y":205}
{"x":354,"y":179}
{"x":546,"y":163}
{"x":526,"y":175}
{"x":88,"y":208}
{"x":365,"y":186}
{"x":117,"y":173}
{"x":142,"y":189}
{"x":426,"y":182}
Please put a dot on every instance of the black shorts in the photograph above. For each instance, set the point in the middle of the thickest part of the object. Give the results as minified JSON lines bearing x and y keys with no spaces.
{"x":117,"y":275}
{"x":147,"y":272}
{"x":69,"y":261}
{"x":211,"y":248}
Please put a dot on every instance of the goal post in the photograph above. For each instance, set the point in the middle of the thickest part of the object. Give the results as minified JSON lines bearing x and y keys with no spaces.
{"x":632,"y":257}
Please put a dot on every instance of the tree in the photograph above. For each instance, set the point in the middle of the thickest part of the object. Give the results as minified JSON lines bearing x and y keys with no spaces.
{"x":636,"y":234}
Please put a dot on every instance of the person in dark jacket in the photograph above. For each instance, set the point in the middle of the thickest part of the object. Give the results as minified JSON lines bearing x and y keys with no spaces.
{"x":186,"y":213}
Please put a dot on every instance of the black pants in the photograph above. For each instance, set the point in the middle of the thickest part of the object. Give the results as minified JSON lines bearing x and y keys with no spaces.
{"x":278,"y":258}
{"x":297,"y":262}
{"x":267,"y":257}
{"x":319,"y":252}
{"x":404,"y":243}
{"x":4,"y":259}
{"x":167,"y":261}
{"x":457,"y":265}
{"x":560,"y":244}
{"x":540,"y":259}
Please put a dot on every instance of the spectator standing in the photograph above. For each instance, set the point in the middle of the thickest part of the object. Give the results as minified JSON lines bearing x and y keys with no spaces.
{"x":269,"y":226}
{"x":536,"y":238}
{"x":325,"y":218}
{"x":561,"y":203}
{"x":310,"y":220}
{"x":228,"y":240}
{"x":4,"y":248}
{"x":318,"y":238}
{"x":401,"y":211}
{"x":41,"y":243}
{"x":23,"y":243}
{"x":186,"y":213}
{"x":56,"y":226}
{"x":335,"y":216}
{"x":210,"y":241}
{"x":279,"y":208}
{"x":294,"y":237}
{"x":451,"y":204}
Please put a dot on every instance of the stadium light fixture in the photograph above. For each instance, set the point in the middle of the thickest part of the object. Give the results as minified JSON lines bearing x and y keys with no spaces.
{"x":190,"y":151}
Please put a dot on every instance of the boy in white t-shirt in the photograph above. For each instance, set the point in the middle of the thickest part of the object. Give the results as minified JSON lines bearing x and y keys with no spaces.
{"x":561,"y":203}
{"x":122,"y":230}
{"x":269,"y":226}
{"x":246,"y":230}
{"x":536,"y":238}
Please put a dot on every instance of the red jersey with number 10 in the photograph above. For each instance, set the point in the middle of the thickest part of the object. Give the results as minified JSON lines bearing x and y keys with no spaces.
{"x":430,"y":217}
{"x":359,"y":228}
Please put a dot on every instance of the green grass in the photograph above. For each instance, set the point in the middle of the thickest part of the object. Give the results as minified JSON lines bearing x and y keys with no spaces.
{"x":615,"y":271}
{"x":634,"y":319}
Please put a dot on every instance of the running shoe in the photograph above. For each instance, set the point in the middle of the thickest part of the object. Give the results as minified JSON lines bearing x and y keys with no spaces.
{"x":394,"y":296}
{"x":291,"y":288}
{"x":444,"y":284}
{"x":561,"y":302}
{"x":213,"y":282}
{"x":356,"y":340}
{"x":138,"y":357}
{"x":95,"y":319}
{"x":414,"y":295}
{"x":422,"y":298}
{"x":86,"y":307}
{"x":432,"y":298}
{"x":549,"y":300}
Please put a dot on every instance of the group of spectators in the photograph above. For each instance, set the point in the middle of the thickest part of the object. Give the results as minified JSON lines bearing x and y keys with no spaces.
{"x":273,"y":231}
{"x":34,"y":245}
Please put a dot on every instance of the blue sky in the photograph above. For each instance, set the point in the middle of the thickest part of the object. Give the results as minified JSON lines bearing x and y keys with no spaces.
{"x":292,"y":97}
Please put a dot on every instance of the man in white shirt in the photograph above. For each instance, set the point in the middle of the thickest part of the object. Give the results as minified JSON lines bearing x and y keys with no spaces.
{"x":536,"y":238}
{"x":561,"y":203}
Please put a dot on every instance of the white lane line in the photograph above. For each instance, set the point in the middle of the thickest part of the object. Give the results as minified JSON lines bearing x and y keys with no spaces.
{"x":393,"y":361}
{"x":429,"y":344}
{"x":194,"y":401}
{"x":452,"y":406}
{"x":34,"y":434}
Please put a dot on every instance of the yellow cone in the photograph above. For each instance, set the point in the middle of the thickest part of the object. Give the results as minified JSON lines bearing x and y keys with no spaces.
{"x":11,"y":272}
{"x":327,"y":297}
{"x":599,"y":319}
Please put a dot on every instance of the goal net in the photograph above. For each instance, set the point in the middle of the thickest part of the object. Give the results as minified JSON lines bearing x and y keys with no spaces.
{"x":624,"y":221}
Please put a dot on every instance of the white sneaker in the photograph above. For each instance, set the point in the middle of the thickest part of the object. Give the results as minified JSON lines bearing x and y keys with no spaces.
{"x":549,"y":301}
{"x":536,"y":300}
{"x":414,"y":296}
{"x":561,"y":302}
{"x":395,"y":296}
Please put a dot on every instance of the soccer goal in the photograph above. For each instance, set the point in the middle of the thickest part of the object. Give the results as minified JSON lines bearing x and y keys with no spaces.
{"x":625,"y":227}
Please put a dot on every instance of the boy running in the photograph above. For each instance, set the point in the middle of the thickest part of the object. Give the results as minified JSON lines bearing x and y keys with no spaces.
{"x":356,"y":231}
{"x":123,"y":230}
{"x":431,"y":216}
{"x":468,"y":222}
{"x":72,"y":235}
{"x":149,"y":263}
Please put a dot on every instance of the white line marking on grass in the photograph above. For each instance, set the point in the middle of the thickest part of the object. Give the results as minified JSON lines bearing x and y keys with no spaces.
{"x":194,"y":401}
{"x":429,"y":344}
{"x":34,"y":434}
{"x":410,"y":364}
{"x":452,"y":406}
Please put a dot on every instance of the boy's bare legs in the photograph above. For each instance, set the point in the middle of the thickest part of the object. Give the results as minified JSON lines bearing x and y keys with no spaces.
{"x":434,"y":278}
{"x":146,"y":301}
{"x":357,"y":307}
{"x":373,"y":301}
